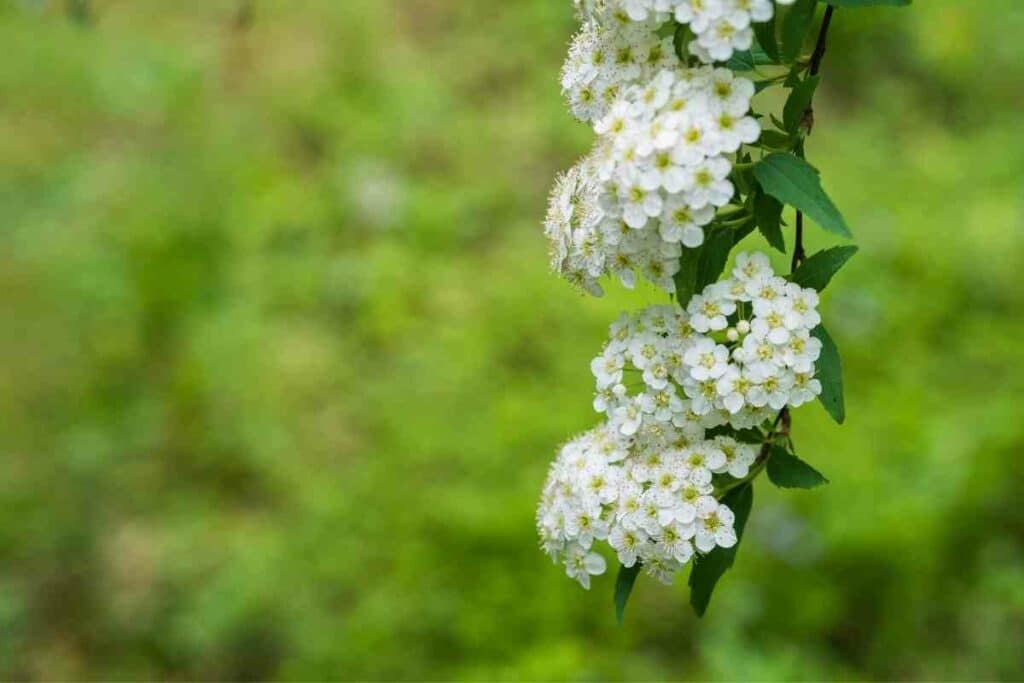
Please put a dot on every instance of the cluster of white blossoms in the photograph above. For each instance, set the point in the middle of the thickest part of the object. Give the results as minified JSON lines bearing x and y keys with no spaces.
{"x":657,"y":176}
{"x":740,"y":352}
{"x":650,"y":496}
{"x":676,"y":383}
{"x":719,"y":27}
{"x":605,"y":59}
{"x":645,"y":480}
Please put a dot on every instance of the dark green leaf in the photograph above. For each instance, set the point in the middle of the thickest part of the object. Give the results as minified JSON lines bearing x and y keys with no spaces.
{"x":795,"y":26}
{"x":775,"y":138}
{"x":869,"y":3}
{"x":742,"y":179}
{"x":681,"y":41}
{"x":798,"y":102}
{"x":793,"y":77}
{"x":748,"y":60}
{"x":830,"y":374}
{"x":713,"y":257}
{"x":765,"y":34}
{"x":741,"y":231}
{"x":749,"y":435}
{"x":768,"y":212}
{"x":623,"y":587}
{"x":686,"y":278}
{"x":708,"y":569}
{"x":741,"y":61}
{"x":787,"y":471}
{"x":817,"y":271}
{"x":793,"y":181}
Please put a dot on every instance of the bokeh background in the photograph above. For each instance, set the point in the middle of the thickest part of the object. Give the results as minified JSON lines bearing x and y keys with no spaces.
{"x":282,"y":366}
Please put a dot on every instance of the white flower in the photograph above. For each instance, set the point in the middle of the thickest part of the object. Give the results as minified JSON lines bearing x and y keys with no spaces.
{"x":708,"y":311}
{"x":715,"y":528}
{"x":707,"y":183}
{"x":681,"y":223}
{"x":706,"y":360}
{"x":607,"y":368}
{"x":675,"y":541}
{"x":805,"y":389}
{"x":608,"y":399}
{"x":644,"y":349}
{"x":801,"y":351}
{"x":640,"y":199}
{"x":628,"y":418}
{"x":738,"y":456}
{"x":752,"y":266}
{"x":805,"y":304}
{"x":627,"y":543}
{"x":775,"y":321}
{"x":733,"y":386}
{"x":581,"y":565}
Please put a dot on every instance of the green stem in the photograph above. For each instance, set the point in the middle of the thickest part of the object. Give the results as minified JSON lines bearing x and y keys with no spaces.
{"x":755,"y":471}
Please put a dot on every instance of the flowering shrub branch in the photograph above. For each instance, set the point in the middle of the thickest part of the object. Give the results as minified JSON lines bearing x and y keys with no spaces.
{"x":696,"y":394}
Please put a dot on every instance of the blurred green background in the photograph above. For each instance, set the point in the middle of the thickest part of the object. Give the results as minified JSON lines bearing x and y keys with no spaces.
{"x":282,"y":367}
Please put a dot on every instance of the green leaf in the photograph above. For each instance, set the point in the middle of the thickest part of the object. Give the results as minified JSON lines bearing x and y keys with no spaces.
{"x":708,"y":569}
{"x":741,"y":231}
{"x":829,"y":371}
{"x":787,"y":471}
{"x":748,"y":435}
{"x":686,"y":278}
{"x":775,"y":138}
{"x":765,"y":34}
{"x":793,"y":77}
{"x":793,"y":181}
{"x":869,"y":3}
{"x":713,"y":257}
{"x":798,"y":102}
{"x":680,"y":41}
{"x":748,"y":60}
{"x":768,"y":213}
{"x":817,"y":271}
{"x":623,"y":587}
{"x":795,"y":26}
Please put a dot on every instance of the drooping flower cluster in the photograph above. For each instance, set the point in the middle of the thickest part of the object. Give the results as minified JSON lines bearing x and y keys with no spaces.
{"x":645,"y":480}
{"x":682,"y":387}
{"x":741,"y":351}
{"x":649,"y":495}
{"x":719,"y":27}
{"x":656,"y":177}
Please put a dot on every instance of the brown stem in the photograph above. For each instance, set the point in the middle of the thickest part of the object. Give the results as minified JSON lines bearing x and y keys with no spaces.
{"x":820,"y":46}
{"x":783,"y":422}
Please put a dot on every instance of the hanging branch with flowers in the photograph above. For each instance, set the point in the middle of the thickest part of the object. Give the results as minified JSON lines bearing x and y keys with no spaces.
{"x":696,"y":393}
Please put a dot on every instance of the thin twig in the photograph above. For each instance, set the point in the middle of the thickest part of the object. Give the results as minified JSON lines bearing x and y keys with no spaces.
{"x":784,"y":419}
{"x":820,"y":46}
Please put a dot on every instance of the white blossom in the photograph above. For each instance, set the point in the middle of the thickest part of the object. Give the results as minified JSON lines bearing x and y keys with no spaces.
{"x":655,"y":179}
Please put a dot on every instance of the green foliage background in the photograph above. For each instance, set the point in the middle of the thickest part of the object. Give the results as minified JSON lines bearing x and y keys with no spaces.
{"x":282,"y":367}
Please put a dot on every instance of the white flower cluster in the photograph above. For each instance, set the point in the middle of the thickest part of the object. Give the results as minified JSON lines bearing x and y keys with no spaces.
{"x":741,"y":351}
{"x":657,"y":176}
{"x":645,"y":480}
{"x":605,"y":59}
{"x":650,"y":496}
{"x":719,"y":27}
